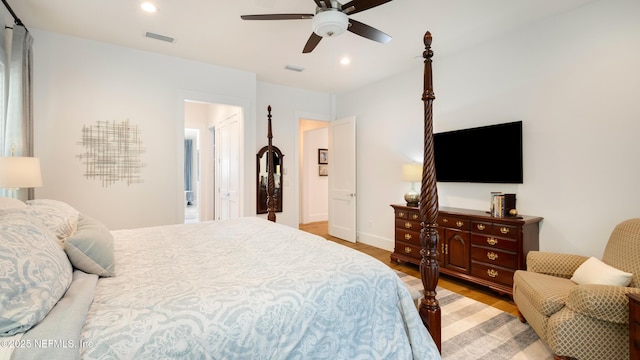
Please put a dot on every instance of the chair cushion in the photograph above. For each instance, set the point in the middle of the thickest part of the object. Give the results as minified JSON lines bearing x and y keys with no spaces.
{"x":594,"y":271}
{"x":547,"y":294}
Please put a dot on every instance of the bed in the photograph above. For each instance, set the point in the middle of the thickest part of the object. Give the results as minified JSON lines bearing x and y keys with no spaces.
{"x":245,"y":288}
{"x":237,"y":289}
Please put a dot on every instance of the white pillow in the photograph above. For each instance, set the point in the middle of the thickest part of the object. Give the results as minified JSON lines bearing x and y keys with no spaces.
{"x":11,"y":203}
{"x":58,"y":216}
{"x":594,"y":271}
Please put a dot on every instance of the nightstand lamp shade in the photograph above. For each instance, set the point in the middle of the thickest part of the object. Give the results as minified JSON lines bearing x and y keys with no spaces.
{"x":412,"y":173}
{"x":20,"y":172}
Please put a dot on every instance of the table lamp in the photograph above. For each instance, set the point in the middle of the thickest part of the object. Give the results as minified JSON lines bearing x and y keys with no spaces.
{"x":18,"y":172}
{"x":412,"y":173}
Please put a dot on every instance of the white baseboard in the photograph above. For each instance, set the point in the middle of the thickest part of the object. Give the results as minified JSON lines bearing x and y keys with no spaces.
{"x":379,"y":242}
{"x":318,"y":217}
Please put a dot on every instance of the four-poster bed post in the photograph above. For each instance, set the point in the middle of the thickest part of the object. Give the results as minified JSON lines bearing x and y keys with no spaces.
{"x":429,"y":308}
{"x":271,"y":187}
{"x":429,"y":270}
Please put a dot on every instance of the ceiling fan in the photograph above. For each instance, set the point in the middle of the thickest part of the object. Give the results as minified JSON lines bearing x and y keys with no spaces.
{"x":332,"y":19}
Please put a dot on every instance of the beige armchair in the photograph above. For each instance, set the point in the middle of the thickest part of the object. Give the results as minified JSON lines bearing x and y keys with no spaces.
{"x":584,"y":321}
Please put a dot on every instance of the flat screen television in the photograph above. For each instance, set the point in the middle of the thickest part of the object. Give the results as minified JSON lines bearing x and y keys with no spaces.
{"x":487,"y":154}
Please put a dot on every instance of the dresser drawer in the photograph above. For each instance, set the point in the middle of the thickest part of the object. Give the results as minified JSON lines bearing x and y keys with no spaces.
{"x":407,"y":225}
{"x":506,"y":231}
{"x":495,"y":229}
{"x":635,"y":317}
{"x":494,"y":257}
{"x":454,"y":222}
{"x":492,"y":273}
{"x":408,"y":249}
{"x":481,"y":227}
{"x":494,"y":242}
{"x":413,"y":215}
{"x":411,"y":237}
{"x":634,"y":331}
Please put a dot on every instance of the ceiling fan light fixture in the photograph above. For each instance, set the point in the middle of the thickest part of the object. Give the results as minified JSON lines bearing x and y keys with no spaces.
{"x":330,"y":23}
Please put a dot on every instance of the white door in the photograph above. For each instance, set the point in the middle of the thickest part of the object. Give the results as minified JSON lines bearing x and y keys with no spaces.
{"x":228,"y":173}
{"x":342,"y":178}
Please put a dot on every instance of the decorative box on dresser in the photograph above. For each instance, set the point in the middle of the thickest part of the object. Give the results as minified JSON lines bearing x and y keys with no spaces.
{"x":473,"y":245}
{"x":634,"y":326}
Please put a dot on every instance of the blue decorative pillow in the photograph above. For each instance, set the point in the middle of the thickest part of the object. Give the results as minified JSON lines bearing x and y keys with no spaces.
{"x":34,"y":272}
{"x":90,"y":248}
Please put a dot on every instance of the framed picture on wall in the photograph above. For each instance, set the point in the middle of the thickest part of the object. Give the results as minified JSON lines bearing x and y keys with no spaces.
{"x":323,"y":156}
{"x":323,"y":170}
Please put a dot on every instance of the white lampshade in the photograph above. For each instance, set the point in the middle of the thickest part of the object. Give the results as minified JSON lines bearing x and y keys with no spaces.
{"x":20,"y":172}
{"x":412,"y":172}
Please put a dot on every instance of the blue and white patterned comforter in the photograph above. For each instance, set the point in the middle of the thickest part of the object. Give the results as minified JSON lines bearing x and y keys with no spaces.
{"x":248,"y":289}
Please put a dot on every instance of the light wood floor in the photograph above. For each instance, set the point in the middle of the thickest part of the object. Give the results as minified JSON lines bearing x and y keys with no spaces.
{"x":464,"y":288}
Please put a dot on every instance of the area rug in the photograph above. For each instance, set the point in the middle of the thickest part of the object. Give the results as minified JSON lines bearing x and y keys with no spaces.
{"x":473,"y":330}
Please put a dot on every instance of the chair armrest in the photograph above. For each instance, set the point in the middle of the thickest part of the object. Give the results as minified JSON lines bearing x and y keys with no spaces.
{"x":554,"y":264}
{"x":604,"y":302}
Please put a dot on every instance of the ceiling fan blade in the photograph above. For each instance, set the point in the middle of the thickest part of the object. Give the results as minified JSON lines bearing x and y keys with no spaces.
{"x":277,"y":17}
{"x":323,"y":4}
{"x":362,"y":5}
{"x":368,"y":32}
{"x":311,"y":44}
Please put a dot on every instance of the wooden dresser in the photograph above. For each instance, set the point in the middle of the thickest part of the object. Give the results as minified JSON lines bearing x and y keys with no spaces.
{"x":634,"y":326}
{"x":473,"y":245}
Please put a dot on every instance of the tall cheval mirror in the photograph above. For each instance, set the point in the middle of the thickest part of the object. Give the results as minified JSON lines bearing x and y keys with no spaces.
{"x":263,"y":178}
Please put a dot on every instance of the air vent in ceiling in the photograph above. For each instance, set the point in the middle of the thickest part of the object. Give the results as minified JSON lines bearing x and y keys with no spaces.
{"x":294,"y":68}
{"x":159,"y":37}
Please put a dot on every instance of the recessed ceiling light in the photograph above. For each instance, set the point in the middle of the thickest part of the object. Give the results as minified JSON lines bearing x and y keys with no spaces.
{"x":345,"y":61}
{"x":148,"y":7}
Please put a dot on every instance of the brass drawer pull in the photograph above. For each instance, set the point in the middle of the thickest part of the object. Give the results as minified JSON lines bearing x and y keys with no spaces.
{"x":492,"y":273}
{"x":491,"y":255}
{"x":407,"y":236}
{"x":491,"y":241}
{"x":414,"y":216}
{"x":407,"y":225}
{"x":407,"y":250}
{"x":445,"y":220}
{"x":481,"y":227}
{"x":504,"y":230}
{"x":401,"y":214}
{"x":459,"y":223}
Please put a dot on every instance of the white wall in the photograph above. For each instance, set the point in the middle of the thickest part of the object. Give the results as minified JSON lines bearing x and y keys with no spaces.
{"x":79,"y":82}
{"x":572,"y":79}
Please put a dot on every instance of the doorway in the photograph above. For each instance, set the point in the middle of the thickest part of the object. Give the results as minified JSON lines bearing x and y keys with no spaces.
{"x":191,"y":175}
{"x":216,"y":160}
{"x":314,"y":189}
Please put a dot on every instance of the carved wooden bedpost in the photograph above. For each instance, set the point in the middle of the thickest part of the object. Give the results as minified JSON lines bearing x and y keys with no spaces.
{"x":429,"y":269}
{"x":271,"y":186}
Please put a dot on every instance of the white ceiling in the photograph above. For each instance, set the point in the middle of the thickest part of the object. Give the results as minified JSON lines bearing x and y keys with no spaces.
{"x":211,"y":31}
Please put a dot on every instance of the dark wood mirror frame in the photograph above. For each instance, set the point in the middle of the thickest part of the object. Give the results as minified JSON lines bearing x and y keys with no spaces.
{"x":261,"y":179}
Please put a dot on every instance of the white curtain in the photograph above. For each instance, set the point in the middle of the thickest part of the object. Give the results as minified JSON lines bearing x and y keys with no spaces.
{"x":16,"y":118}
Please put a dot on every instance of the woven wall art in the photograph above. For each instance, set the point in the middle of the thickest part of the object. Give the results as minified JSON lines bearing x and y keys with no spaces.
{"x":112,"y":152}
